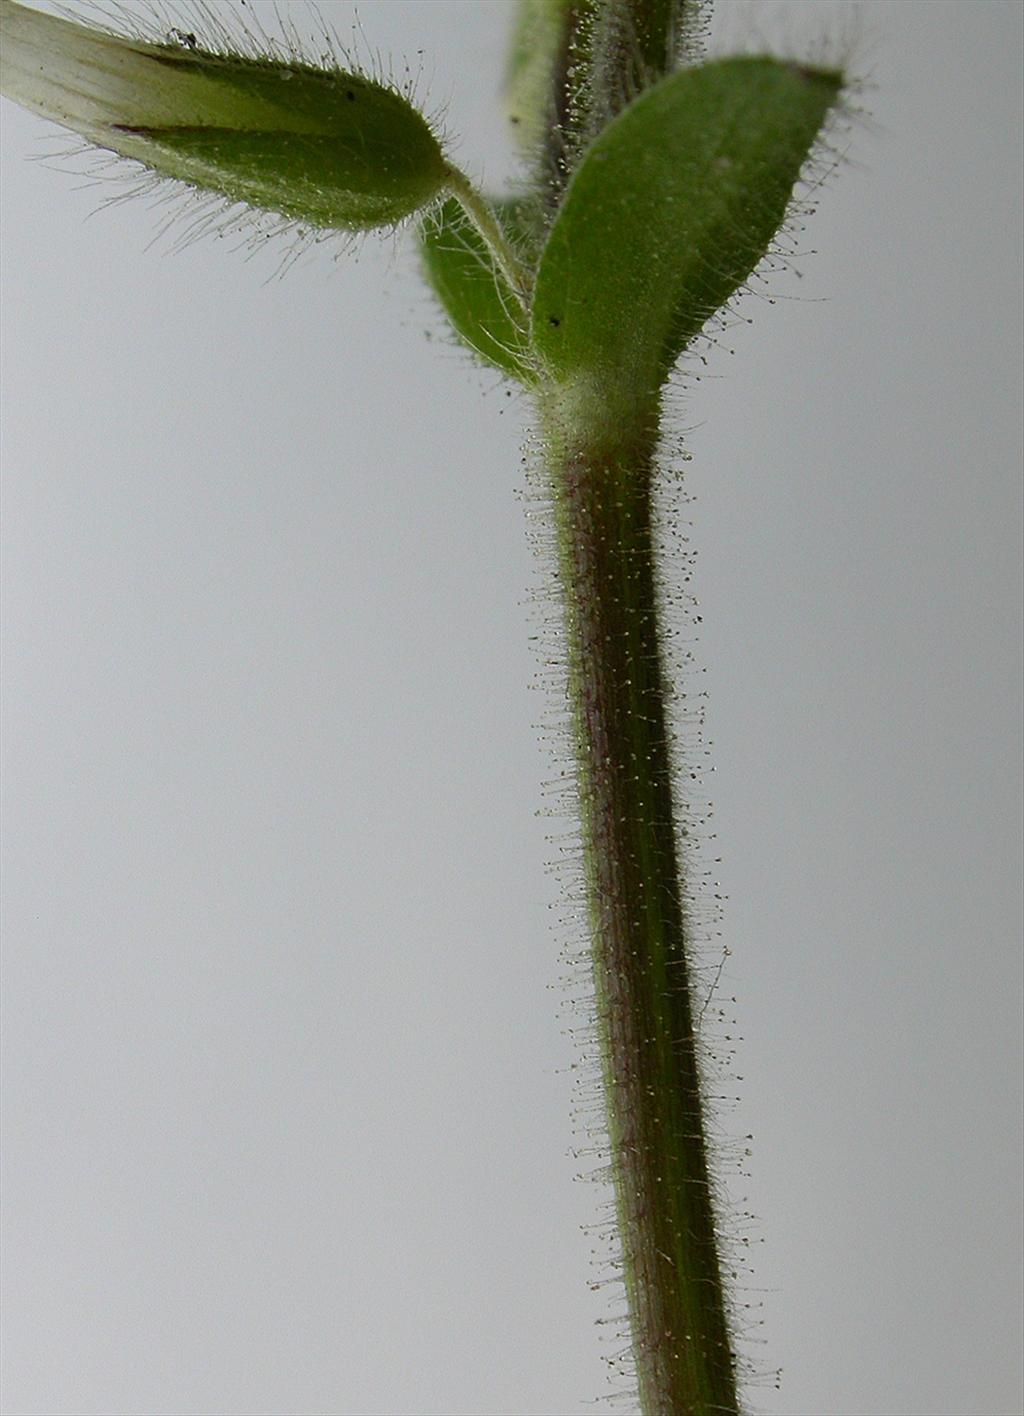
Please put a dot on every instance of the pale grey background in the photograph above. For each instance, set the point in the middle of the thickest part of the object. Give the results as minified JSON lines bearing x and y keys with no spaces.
{"x":285,"y":1103}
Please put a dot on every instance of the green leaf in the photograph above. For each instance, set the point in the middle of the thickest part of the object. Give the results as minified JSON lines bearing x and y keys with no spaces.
{"x":325,"y":147}
{"x":477,"y":298}
{"x":668,"y":213}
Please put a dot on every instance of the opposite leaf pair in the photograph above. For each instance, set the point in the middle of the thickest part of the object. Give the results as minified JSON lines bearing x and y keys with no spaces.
{"x":667,"y":214}
{"x":669,"y":209}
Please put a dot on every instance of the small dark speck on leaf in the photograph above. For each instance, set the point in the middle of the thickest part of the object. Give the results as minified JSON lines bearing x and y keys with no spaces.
{"x":554,"y":320}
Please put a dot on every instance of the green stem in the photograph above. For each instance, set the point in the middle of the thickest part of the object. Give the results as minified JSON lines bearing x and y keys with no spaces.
{"x":658,"y":36}
{"x":601,"y":476}
{"x":606,"y":52}
{"x":481,"y":214}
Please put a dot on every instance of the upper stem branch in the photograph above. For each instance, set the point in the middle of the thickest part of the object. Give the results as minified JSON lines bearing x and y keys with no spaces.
{"x":480,"y":213}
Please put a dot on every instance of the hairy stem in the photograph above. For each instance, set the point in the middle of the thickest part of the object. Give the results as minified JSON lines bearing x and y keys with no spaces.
{"x":606,"y":53}
{"x":601,"y":483}
{"x":662,"y":34}
{"x":481,"y":214}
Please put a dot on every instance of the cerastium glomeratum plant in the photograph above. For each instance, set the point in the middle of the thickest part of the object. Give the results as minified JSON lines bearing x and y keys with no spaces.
{"x":654,"y":185}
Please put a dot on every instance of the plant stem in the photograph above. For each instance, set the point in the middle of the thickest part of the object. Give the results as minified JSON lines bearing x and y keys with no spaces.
{"x":480,"y":213}
{"x":601,"y":467}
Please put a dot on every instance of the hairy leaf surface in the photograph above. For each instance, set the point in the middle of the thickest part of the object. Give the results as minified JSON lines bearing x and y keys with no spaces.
{"x":475,"y":295}
{"x":668,"y":213}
